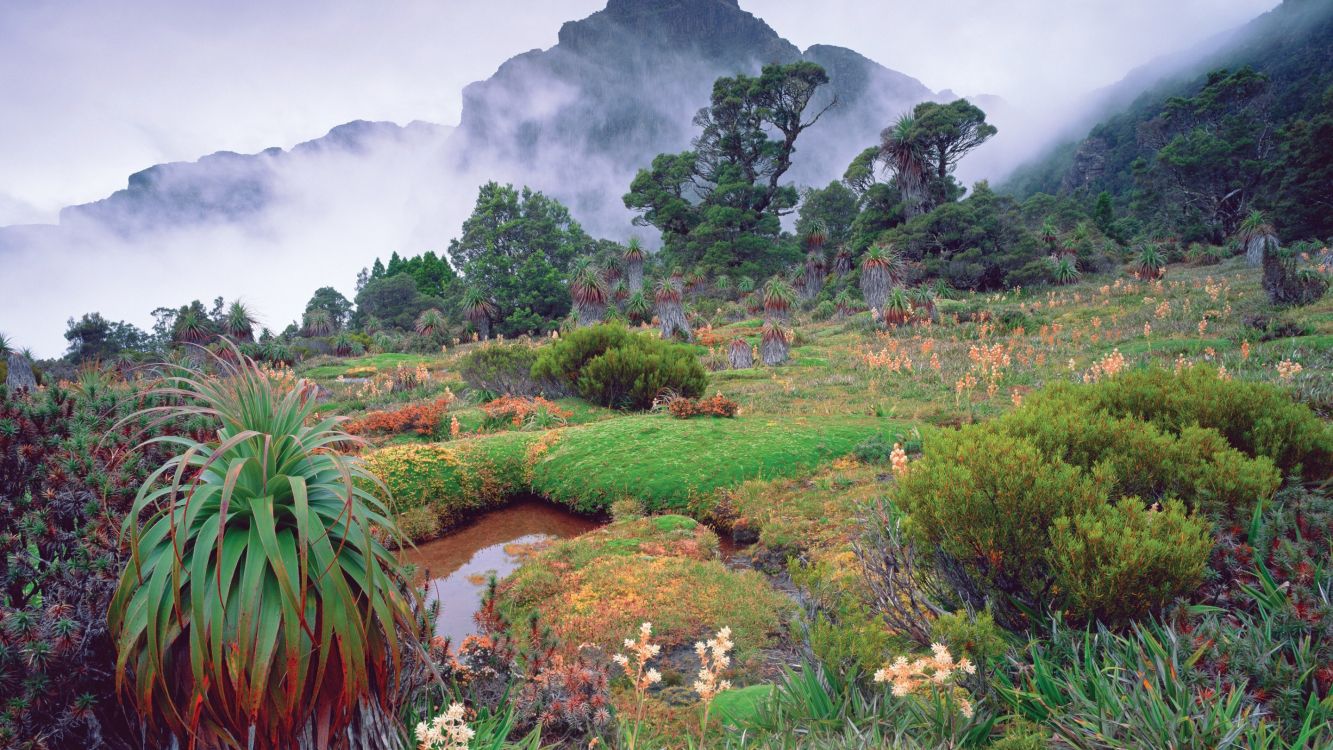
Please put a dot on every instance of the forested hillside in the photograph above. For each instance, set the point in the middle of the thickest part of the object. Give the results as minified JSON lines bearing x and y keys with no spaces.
{"x":1247,"y":127}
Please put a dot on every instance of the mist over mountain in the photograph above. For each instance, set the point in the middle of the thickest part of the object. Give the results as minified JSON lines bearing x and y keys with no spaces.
{"x":576,"y":120}
{"x":1292,"y":45}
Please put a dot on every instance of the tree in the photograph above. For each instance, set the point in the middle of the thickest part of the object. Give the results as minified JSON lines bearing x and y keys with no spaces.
{"x":93,"y":338}
{"x":479,"y":310}
{"x":517,"y":248}
{"x":834,"y":207}
{"x":944,"y":133}
{"x":1211,"y":152}
{"x":394,"y":301}
{"x":719,"y":205}
{"x":331,"y":301}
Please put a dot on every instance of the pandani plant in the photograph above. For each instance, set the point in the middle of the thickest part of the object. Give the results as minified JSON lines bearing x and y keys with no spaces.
{"x":318,"y":323}
{"x":778,"y":298}
{"x":882,"y":268}
{"x":1151,"y":263}
{"x":479,"y":310}
{"x":260,"y":607}
{"x":589,"y":292}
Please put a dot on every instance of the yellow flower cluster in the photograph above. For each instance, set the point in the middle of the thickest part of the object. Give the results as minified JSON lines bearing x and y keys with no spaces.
{"x":926,"y":673}
{"x":448,"y":731}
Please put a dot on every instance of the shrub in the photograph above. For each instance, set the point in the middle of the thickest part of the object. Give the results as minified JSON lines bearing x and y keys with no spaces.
{"x":564,"y":360}
{"x":501,"y":369}
{"x":987,"y":500}
{"x":521,"y":411}
{"x":1257,"y":418}
{"x":1198,"y":465}
{"x":716,"y":406}
{"x":423,"y":419}
{"x":824,"y":310}
{"x":607,"y":365}
{"x":1115,"y":563}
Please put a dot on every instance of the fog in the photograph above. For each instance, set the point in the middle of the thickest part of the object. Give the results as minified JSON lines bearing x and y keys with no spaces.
{"x":94,"y":91}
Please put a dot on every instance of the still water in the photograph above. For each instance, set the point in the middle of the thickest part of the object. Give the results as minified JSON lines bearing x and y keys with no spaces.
{"x":459,"y":563}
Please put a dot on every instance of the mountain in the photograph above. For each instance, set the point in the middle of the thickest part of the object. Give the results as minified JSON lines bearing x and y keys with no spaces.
{"x":1292,"y":45}
{"x":227,"y":186}
{"x":576,"y":120}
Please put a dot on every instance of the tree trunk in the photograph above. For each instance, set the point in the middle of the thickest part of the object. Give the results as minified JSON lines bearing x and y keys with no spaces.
{"x":875,"y":286}
{"x":672,"y":318}
{"x":740,"y":356}
{"x":774,"y":350}
{"x":20,"y":373}
{"x":1254,"y":250}
{"x":634,"y":275}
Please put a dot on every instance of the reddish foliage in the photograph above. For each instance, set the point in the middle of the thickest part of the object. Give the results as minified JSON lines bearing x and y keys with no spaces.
{"x":516,"y":409}
{"x":424,"y":419}
{"x":717,"y":406}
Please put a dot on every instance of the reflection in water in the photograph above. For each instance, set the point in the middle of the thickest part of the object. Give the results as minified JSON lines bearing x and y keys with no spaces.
{"x":460,"y":562}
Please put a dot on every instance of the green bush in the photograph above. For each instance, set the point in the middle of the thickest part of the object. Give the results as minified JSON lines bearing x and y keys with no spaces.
{"x":1257,"y":418}
{"x":499,"y":369}
{"x":1116,"y":563}
{"x":823,"y":311}
{"x":987,"y":501}
{"x":607,"y":365}
{"x":1198,"y":465}
{"x":563,"y":361}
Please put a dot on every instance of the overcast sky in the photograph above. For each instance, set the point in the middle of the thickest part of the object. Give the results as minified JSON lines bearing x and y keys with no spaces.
{"x":92,"y":90}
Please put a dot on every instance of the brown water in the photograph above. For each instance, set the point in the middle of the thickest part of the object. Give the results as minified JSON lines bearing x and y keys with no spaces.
{"x":459,"y":563}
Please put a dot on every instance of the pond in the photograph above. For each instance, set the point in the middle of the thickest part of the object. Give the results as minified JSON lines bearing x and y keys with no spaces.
{"x":459,"y":563}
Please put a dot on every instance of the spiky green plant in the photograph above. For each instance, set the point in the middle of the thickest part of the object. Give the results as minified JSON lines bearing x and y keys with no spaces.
{"x":816,"y":271}
{"x":670,"y":314}
{"x":344,"y":345}
{"x":638,"y":309}
{"x":774,"y":343}
{"x":844,"y":303}
{"x":192,"y":327}
{"x":778,"y":298}
{"x":1049,"y":234}
{"x":258,"y":600}
{"x":882,"y":267}
{"x":897,"y":307}
{"x":1256,"y":236}
{"x":239,"y":323}
{"x":317,"y":322}
{"x":589,"y":292}
{"x":905,"y":154}
{"x":745,"y":285}
{"x":816,"y":235}
{"x":722,"y":283}
{"x":6,"y":345}
{"x":842,"y":261}
{"x":1064,"y":270}
{"x":1151,"y":263}
{"x":478,"y":309}
{"x":431,"y":322}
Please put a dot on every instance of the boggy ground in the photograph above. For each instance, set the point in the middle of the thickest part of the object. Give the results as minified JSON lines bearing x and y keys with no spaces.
{"x":790,"y":473}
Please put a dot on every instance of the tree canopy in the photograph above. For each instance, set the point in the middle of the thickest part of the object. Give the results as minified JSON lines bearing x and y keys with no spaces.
{"x":517,"y":247}
{"x":719,"y":205}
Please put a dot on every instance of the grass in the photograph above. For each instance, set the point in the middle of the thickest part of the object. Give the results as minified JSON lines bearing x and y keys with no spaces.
{"x":324,"y":369}
{"x":677,"y":464}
